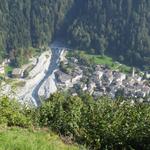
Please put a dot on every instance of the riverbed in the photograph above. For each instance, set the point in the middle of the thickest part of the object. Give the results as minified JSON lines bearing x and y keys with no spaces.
{"x":41,"y":82}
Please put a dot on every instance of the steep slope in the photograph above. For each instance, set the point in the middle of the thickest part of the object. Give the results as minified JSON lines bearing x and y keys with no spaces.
{"x":25,"y":23}
{"x":120,"y":28}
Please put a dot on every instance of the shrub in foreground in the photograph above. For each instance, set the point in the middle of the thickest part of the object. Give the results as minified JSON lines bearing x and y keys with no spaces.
{"x":13,"y":113}
{"x":101,"y":124}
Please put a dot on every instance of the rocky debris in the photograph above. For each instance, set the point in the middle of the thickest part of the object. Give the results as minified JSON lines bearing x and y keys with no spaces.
{"x":35,"y":76}
{"x":7,"y":90}
{"x":41,"y":79}
{"x":48,"y":87}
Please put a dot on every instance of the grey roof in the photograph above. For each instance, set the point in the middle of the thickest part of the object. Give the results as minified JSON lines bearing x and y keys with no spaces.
{"x":62,"y":77}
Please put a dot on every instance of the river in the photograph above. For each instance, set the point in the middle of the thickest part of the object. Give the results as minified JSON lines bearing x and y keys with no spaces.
{"x":41,"y":77}
{"x":54,"y":64}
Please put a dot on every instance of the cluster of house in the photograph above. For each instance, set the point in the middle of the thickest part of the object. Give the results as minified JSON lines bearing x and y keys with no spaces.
{"x":107,"y":82}
{"x":103,"y":81}
{"x":68,"y":80}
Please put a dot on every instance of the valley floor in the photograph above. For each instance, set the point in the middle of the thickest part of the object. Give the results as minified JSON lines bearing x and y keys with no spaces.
{"x":58,"y":69}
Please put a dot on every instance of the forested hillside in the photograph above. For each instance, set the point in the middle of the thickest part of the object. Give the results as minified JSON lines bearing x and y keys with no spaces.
{"x":117,"y":27}
{"x":25,"y":23}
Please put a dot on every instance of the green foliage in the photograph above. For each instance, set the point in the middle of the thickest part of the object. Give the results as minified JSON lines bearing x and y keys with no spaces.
{"x":98,"y":124}
{"x":12,"y":114}
{"x":29,"y":139}
{"x":115,"y":27}
{"x":61,"y":114}
{"x":120,"y":28}
{"x":101,"y":124}
{"x":116,"y":126}
{"x":29,"y":23}
{"x":89,"y":59}
{"x":8,"y":69}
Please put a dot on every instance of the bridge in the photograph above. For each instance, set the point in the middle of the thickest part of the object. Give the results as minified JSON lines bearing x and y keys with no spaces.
{"x":59,"y":47}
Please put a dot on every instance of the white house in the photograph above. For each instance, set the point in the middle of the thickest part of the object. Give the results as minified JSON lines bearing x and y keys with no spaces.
{"x":76,"y":78}
{"x":98,"y":75}
{"x":91,"y":87}
{"x":17,"y":73}
{"x":2,"y":69}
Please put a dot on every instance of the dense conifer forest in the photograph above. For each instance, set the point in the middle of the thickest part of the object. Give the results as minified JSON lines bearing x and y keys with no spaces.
{"x":120,"y":28}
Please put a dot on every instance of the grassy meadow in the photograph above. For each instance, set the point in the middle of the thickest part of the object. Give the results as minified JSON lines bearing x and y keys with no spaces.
{"x":26,"y":139}
{"x":100,"y":60}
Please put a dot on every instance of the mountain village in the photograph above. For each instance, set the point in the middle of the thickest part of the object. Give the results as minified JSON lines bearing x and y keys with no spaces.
{"x":102,"y":81}
{"x":97,"y":80}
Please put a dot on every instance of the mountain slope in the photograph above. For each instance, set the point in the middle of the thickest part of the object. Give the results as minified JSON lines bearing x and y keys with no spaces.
{"x":120,"y":28}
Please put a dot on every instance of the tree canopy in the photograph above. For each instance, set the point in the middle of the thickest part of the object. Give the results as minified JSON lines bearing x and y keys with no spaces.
{"x":120,"y":28}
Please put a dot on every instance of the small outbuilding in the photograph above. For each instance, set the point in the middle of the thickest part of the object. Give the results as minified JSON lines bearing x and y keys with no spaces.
{"x":17,"y":73}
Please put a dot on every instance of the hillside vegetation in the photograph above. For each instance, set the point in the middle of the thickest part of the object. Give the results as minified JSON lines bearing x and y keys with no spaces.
{"x":120,"y":28}
{"x":101,"y":124}
{"x":28,"y":139}
{"x":92,"y":59}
